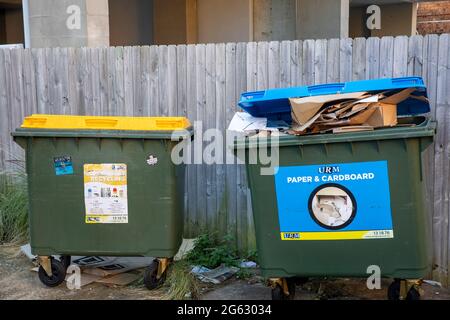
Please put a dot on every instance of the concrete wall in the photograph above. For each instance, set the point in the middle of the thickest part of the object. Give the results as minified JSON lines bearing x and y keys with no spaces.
{"x":322,"y":19}
{"x":274,"y":20}
{"x":131,"y":24}
{"x":224,"y":21}
{"x":169,"y":21}
{"x":97,"y":15}
{"x":48,"y":26}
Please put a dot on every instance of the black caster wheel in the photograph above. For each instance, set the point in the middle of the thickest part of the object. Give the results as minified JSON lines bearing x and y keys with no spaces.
{"x":65,"y":260}
{"x":278,"y":294}
{"x":291,"y":287}
{"x":58,"y":274}
{"x":151,"y":281}
{"x":394,"y":292}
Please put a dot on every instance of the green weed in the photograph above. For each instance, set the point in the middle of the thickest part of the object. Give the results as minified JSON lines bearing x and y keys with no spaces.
{"x":181,"y":283}
{"x":210,"y":251}
{"x":13,"y":209}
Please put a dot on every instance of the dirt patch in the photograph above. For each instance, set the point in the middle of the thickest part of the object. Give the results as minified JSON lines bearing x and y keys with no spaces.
{"x":17,"y":281}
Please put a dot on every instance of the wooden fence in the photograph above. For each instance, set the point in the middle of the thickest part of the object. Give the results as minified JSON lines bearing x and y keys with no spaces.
{"x":203,"y":82}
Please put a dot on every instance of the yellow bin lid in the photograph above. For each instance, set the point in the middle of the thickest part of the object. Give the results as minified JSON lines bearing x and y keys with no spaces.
{"x":62,"y":122}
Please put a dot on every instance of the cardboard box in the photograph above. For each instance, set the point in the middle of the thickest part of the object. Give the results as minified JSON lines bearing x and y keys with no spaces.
{"x":384,"y":115}
{"x":305,"y":109}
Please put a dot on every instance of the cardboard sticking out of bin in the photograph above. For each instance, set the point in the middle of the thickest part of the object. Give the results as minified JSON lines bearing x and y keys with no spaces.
{"x":340,"y":113}
{"x":304,"y":109}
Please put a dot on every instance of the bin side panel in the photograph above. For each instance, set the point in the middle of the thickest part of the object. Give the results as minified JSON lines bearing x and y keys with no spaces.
{"x":57,"y":202}
{"x":403,"y":256}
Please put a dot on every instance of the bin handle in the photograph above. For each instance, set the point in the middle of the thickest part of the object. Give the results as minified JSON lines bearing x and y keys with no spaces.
{"x":252,"y":95}
{"x":101,"y":123}
{"x":34,"y":122}
{"x":326,"y":88}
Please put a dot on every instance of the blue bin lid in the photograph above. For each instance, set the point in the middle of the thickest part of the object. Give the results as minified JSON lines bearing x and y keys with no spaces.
{"x":274,"y":103}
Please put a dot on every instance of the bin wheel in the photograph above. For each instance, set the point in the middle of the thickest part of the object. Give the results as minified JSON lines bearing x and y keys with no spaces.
{"x":151,"y":280}
{"x":58,"y":274}
{"x":278,"y":294}
{"x":394,"y":292}
{"x":66,"y":261}
{"x":291,"y":282}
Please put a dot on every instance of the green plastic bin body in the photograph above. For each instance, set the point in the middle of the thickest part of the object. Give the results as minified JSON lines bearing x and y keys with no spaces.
{"x":404,"y":256}
{"x":57,"y":202}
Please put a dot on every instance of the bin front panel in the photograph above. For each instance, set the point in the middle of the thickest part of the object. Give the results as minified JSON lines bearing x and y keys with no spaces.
{"x":57,"y":197}
{"x":402,"y":254}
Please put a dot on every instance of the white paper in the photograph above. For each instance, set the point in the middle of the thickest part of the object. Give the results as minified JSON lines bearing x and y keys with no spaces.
{"x":371,"y":99}
{"x":244,"y":123}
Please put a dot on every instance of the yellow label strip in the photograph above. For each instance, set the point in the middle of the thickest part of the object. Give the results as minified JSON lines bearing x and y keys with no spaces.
{"x":337,"y":235}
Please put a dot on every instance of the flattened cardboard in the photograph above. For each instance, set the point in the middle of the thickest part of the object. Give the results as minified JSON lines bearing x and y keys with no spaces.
{"x":352,"y":129}
{"x":303,"y":109}
{"x":355,"y":109}
{"x":362,"y":117}
{"x":398,"y":97}
{"x":308,"y":124}
{"x":385,"y":115}
{"x":122,"y":279}
{"x":359,"y":118}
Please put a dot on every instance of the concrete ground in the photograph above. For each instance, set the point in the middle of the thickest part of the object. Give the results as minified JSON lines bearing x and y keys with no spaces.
{"x":336,"y":289}
{"x":18,"y":282}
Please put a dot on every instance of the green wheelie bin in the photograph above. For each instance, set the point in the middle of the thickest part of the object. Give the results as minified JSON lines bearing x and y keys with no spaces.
{"x":103,"y":186}
{"x":338,"y":205}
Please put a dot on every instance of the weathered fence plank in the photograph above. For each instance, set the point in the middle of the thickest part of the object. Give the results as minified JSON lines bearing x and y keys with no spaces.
{"x":373,"y":58}
{"x":333,"y":58}
{"x":220,"y":123}
{"x":441,"y":158}
{"x":192,"y":224}
{"x":295,"y":63}
{"x":201,"y":106}
{"x":230,"y":102}
{"x":308,"y":62}
{"x":359,"y":59}
{"x":209,"y":120}
{"x":4,"y":107}
{"x":345,"y":60}
{"x":320,"y":61}
{"x":203,"y":82}
{"x":387,"y":57}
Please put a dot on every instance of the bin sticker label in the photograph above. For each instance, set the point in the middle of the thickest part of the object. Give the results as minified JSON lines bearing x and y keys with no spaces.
{"x":346,"y":201}
{"x":152,"y":160}
{"x":63,"y":165}
{"x":105,"y":193}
